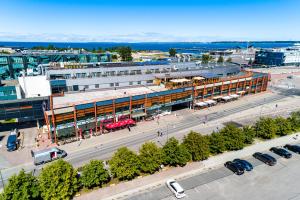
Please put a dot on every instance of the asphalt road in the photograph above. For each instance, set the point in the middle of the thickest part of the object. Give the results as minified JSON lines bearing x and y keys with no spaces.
{"x":105,"y":151}
{"x":279,"y":182}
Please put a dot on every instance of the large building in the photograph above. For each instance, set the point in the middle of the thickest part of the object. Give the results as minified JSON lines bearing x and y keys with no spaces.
{"x":278,"y":57}
{"x":84,"y":77}
{"x":84,"y":110}
{"x":12,"y":65}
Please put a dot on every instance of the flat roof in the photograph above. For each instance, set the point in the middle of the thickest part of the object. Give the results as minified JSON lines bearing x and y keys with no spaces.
{"x":70,"y":99}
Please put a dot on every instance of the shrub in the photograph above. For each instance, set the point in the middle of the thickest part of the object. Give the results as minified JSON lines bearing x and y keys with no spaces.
{"x":266,"y":128}
{"x":249,"y":134}
{"x":151,"y":157}
{"x":125,"y":164}
{"x":22,"y":186}
{"x":283,"y":126}
{"x":93,"y":174}
{"x":175,"y":154}
{"x":197,"y":145}
{"x":58,"y":180}
{"x":216,"y":143}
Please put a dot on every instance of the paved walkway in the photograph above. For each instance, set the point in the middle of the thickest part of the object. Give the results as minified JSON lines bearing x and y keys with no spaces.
{"x":143,"y":184}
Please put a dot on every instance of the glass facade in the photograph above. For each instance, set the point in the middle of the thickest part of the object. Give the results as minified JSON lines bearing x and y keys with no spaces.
{"x":269,"y":58}
{"x":12,"y":65}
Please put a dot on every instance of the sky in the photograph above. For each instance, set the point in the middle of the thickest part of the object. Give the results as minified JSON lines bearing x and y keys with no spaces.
{"x":149,"y":21}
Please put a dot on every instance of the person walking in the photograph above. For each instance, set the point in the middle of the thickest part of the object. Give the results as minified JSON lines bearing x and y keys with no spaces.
{"x":128,"y":127}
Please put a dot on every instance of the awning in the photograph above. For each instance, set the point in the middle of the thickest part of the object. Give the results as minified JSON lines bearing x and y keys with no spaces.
{"x":241,"y":92}
{"x":210,"y":102}
{"x":182,"y":80}
{"x":226,"y":98}
{"x":201,"y":104}
{"x":198,"y":78}
{"x":218,"y":97}
{"x":235,"y":96}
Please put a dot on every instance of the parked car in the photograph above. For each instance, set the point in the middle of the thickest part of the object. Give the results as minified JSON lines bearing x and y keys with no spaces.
{"x":293,"y":148}
{"x":281,"y":152}
{"x":265,"y":158}
{"x":12,"y":143}
{"x":175,"y":188}
{"x":244,"y":164}
{"x":47,"y":155}
{"x":234,"y":167}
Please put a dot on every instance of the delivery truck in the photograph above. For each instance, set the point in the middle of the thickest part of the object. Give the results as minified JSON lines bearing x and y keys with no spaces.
{"x":47,"y":155}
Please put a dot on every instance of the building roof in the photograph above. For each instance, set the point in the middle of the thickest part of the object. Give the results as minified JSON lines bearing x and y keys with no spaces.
{"x":70,"y":99}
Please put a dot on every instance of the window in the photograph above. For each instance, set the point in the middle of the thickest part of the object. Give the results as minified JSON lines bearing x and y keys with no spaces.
{"x":111,"y":84}
{"x":96,"y":85}
{"x":130,"y":83}
{"x":86,"y":87}
{"x":149,"y":81}
{"x":116,"y":84}
{"x":139,"y":82}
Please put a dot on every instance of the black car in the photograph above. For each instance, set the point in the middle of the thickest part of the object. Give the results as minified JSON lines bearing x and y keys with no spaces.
{"x":293,"y":148}
{"x":244,"y":164}
{"x":237,"y":169}
{"x":265,"y":158}
{"x":282,"y":152}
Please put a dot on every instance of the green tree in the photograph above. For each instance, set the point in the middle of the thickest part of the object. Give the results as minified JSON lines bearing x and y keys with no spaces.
{"x":125,"y":53}
{"x":294,"y":119}
{"x":197,"y":145}
{"x":94,"y":174}
{"x":216,"y":143}
{"x":249,"y":134}
{"x":266,"y":128}
{"x":284,"y":126}
{"x":206,"y":58}
{"x":175,"y":154}
{"x":172,"y":52}
{"x":125,"y":164}
{"x":229,"y":60}
{"x":22,"y":187}
{"x":233,"y":137}
{"x":58,"y":180}
{"x":220,"y":59}
{"x":151,"y":157}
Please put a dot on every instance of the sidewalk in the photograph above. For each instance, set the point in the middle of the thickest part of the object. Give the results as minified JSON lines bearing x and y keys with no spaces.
{"x":147,"y":183}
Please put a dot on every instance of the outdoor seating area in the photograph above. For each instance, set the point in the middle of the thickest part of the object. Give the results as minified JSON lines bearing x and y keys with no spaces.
{"x":216,"y":100}
{"x":120,"y":124}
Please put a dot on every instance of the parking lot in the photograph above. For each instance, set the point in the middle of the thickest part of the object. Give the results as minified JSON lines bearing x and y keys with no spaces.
{"x":278,"y":182}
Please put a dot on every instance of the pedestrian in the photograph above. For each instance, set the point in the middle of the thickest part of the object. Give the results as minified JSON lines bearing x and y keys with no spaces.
{"x":161,"y":134}
{"x":158,"y":133}
{"x":128,"y":127}
{"x":276,"y":105}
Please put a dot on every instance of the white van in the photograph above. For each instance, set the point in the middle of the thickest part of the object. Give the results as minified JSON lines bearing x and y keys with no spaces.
{"x":47,"y":155}
{"x":175,"y":188}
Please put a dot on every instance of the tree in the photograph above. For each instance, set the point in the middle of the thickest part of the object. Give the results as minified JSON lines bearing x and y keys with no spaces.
{"x":265,"y":128}
{"x":175,"y":154}
{"x":216,"y":143}
{"x":229,"y":60}
{"x":284,"y":126}
{"x":151,"y":157}
{"x":172,"y":52}
{"x":125,"y":164}
{"x":249,"y":134}
{"x":58,"y":180}
{"x":220,"y":59}
{"x":22,"y":187}
{"x":125,"y":53}
{"x":206,"y":58}
{"x":94,"y":174}
{"x":197,"y":145}
{"x":233,"y":137}
{"x":294,"y":119}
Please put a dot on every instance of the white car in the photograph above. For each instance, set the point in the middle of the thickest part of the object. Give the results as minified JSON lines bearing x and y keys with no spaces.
{"x":175,"y":188}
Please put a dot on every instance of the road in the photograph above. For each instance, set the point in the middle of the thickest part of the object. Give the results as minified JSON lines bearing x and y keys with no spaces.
{"x":105,"y":151}
{"x":278,"y":182}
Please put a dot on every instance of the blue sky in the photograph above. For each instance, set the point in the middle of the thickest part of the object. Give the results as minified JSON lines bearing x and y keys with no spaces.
{"x":151,"y":20}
